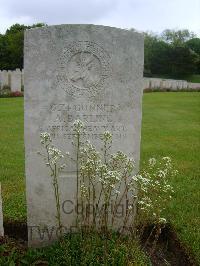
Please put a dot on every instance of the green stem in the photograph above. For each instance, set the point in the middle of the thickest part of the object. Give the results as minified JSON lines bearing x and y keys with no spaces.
{"x":77,"y":171}
{"x":56,"y":188}
{"x":57,"y":197}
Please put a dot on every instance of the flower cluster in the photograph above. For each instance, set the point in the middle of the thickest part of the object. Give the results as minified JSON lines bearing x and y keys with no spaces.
{"x":154,"y":190}
{"x":107,"y":136}
{"x":89,"y":160}
{"x":121,"y":162}
{"x":119,"y":157}
{"x":45,"y":138}
{"x":53,"y":153}
{"x":78,"y":127}
{"x":152,"y":162}
{"x":84,"y":191}
{"x":108,"y":178}
{"x":118,"y":160}
{"x":89,"y":151}
{"x":145,"y":204}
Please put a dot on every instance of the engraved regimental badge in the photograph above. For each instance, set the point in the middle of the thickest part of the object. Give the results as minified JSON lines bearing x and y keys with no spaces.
{"x":82,"y":69}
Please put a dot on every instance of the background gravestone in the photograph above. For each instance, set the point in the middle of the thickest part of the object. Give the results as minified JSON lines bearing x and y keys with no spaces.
{"x":16,"y":80}
{"x":87,"y":72}
{"x":4,"y":78}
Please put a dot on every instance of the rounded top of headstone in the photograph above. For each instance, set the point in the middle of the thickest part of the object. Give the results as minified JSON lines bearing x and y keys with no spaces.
{"x":86,"y":26}
{"x":85,"y":58}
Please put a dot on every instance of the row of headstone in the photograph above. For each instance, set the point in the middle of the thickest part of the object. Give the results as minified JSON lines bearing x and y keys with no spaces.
{"x":193,"y":86}
{"x":12,"y":79}
{"x":15,"y":81}
{"x":172,"y":84}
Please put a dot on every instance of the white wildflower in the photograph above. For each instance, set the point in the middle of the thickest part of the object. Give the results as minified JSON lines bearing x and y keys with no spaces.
{"x":167,"y":159}
{"x":107,"y":136}
{"x":162,"y":220}
{"x":134,"y":178}
{"x":161,"y":174}
{"x":78,"y":126}
{"x":152,"y":162}
{"x":45,"y":138}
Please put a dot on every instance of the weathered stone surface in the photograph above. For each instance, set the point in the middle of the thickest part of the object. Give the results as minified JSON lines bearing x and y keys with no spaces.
{"x":1,"y":215}
{"x":15,"y":81}
{"x":155,"y":83}
{"x":105,"y":92}
{"x":4,"y":78}
{"x":146,"y":82}
{"x":163,"y":84}
{"x":22,"y":78}
{"x":194,"y":85}
{"x":174,"y":85}
{"x":185,"y":84}
{"x":166,"y":84}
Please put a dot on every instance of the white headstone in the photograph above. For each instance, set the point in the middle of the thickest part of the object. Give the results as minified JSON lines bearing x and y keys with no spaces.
{"x":146,"y":83}
{"x":22,"y":77}
{"x":195,"y":86}
{"x":87,"y":72}
{"x":152,"y":83}
{"x":16,"y":80}
{"x":4,"y":78}
{"x":185,"y":84}
{"x":157,"y":83}
{"x":166,"y":84}
{"x":174,"y":84}
{"x":1,"y":215}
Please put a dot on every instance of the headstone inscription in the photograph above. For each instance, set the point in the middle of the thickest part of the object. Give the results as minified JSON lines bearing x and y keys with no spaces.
{"x":87,"y":72}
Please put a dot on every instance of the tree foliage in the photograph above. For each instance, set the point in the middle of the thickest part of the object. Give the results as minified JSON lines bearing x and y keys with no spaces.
{"x":175,"y":53}
{"x":177,"y":37}
{"x":194,"y":45}
{"x":11,"y":46}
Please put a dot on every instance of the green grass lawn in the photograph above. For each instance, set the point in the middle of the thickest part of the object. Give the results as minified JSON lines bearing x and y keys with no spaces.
{"x":171,"y":127}
{"x":12,"y":157}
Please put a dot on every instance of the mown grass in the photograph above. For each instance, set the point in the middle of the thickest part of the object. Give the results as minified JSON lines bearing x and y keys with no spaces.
{"x":12,"y":158}
{"x":171,"y":126}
